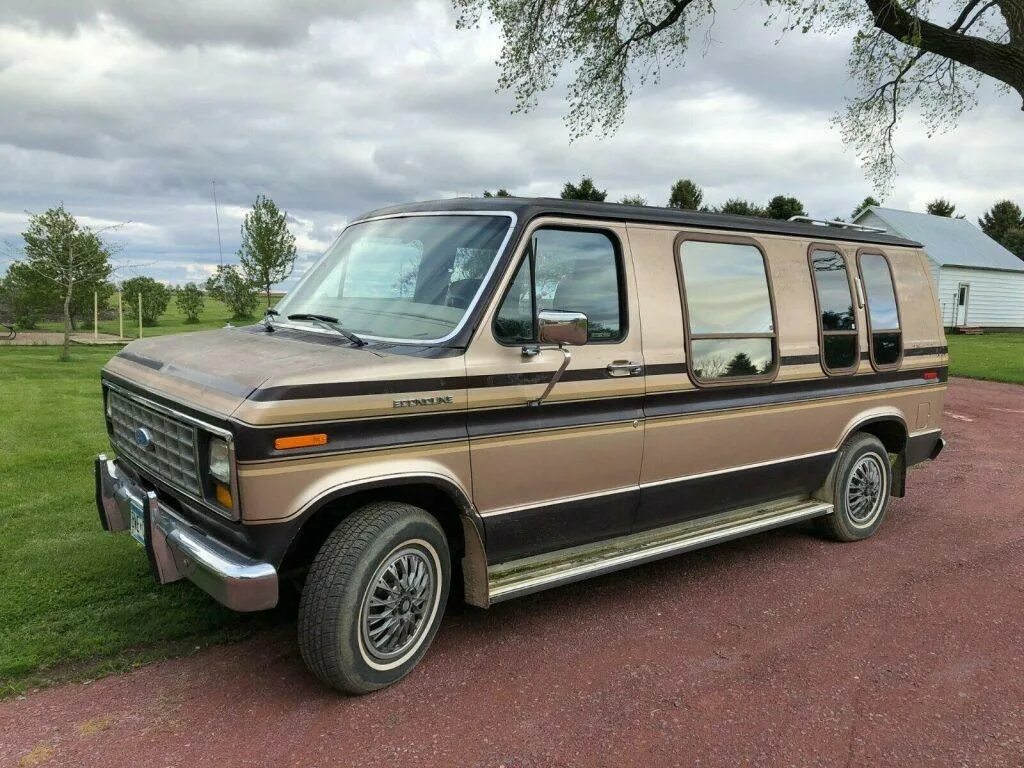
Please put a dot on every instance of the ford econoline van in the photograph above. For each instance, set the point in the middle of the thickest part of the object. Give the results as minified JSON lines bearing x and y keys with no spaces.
{"x":480,"y":399}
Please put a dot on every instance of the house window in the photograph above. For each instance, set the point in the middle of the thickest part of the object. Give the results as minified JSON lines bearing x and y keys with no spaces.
{"x":729,"y":316}
{"x":883,"y":310}
{"x":571,"y":270}
{"x":837,"y":324}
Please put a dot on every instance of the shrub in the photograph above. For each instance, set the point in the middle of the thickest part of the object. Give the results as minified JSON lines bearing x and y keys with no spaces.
{"x":155,"y":298}
{"x":229,"y":286}
{"x":190,"y":302}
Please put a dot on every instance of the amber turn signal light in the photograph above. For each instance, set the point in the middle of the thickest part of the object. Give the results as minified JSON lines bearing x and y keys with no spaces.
{"x":224,"y":496}
{"x":300,"y":441}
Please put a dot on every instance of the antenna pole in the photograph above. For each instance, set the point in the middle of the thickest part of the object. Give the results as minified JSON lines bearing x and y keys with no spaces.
{"x":216,"y":213}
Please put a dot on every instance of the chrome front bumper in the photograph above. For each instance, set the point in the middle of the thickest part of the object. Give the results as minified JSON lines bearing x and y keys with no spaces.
{"x":177,"y":549}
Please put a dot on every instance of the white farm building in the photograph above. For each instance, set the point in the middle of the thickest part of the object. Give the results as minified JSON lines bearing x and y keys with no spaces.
{"x":980,"y":283}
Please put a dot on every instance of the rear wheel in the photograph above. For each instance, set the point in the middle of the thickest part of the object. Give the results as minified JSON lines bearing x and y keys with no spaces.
{"x":374,"y":597}
{"x":859,"y":487}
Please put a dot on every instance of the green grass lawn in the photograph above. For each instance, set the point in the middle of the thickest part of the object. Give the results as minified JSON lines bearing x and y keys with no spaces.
{"x":214,"y":315}
{"x":74,"y":600}
{"x":992,"y":356}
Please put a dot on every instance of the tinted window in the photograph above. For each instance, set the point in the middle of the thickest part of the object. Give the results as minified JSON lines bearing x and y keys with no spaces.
{"x":837,"y":317}
{"x":728,"y":358}
{"x":886,"y":347}
{"x":839,"y":351}
{"x":880,"y":295}
{"x":574,"y":271}
{"x":726,"y":288}
{"x":833,"y":286}
{"x":514,"y":322}
{"x":728,"y":311}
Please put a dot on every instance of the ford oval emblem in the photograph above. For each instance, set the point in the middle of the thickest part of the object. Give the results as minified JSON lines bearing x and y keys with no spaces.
{"x":143,"y":438}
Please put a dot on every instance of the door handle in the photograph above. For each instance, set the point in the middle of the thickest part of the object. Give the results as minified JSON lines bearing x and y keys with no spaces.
{"x":625,"y":368}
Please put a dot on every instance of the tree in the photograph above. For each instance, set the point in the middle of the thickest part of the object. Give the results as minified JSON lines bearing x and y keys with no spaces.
{"x":633,"y":200}
{"x":500,"y":193}
{"x":230,"y":287}
{"x":267,"y":252}
{"x":741,"y":365}
{"x":27,"y":295}
{"x":686,"y":195}
{"x":906,"y":54}
{"x":739,"y":207}
{"x":70,"y":260}
{"x":585,"y":190}
{"x":940,"y":206}
{"x":868,"y":202}
{"x":784,"y":208}
{"x":1001,"y":219}
{"x":1014,"y":242}
{"x":190,"y":302}
{"x":155,"y":298}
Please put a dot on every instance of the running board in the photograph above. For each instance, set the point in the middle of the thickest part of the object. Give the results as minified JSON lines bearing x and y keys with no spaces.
{"x":532,"y":574}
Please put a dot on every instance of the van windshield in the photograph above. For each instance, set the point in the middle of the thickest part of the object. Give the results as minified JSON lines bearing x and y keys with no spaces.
{"x":411,"y":278}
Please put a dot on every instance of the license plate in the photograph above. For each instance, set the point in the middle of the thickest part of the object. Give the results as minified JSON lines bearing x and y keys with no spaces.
{"x":137,"y":524}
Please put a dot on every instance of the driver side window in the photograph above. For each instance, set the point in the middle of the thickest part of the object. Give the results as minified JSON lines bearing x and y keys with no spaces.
{"x":572,"y":270}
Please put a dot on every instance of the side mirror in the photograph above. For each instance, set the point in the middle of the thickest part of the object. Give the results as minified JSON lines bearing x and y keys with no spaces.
{"x":562,"y":328}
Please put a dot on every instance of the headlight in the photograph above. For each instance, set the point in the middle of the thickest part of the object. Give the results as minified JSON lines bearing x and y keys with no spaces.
{"x":220,"y":460}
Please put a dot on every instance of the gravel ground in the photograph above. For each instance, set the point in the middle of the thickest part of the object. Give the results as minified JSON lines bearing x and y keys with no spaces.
{"x":781,"y":649}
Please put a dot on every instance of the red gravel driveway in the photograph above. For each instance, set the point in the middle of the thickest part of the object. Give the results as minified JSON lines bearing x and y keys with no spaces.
{"x":781,"y":649}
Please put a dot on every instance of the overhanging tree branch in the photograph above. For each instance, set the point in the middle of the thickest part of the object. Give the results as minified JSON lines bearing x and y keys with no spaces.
{"x":1003,"y":61}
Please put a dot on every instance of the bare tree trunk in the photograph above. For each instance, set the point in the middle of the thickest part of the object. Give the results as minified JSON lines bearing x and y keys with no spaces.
{"x":65,"y":355}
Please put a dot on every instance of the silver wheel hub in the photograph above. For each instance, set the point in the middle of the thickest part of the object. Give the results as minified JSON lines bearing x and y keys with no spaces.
{"x":398,"y":602}
{"x":865,"y":490}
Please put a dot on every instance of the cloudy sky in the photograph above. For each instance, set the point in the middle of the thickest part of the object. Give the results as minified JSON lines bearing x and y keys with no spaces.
{"x":127,"y":110}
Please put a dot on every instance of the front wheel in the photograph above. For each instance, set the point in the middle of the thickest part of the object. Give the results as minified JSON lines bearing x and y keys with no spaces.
{"x":859,"y":487}
{"x":374,"y":597}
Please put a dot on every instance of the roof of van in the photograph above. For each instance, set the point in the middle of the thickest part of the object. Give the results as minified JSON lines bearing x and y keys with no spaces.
{"x":528,"y":207}
{"x":949,"y":242}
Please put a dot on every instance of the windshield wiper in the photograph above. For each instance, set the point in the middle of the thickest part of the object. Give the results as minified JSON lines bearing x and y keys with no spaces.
{"x":330,"y":323}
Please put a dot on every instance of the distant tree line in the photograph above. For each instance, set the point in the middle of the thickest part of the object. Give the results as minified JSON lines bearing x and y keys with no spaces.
{"x":63,"y":265}
{"x":1004,"y":222}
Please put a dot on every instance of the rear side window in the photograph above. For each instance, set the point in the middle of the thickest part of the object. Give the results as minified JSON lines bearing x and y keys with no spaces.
{"x":837,"y":322}
{"x":572,"y":270}
{"x":883,"y":310}
{"x":729,"y":317}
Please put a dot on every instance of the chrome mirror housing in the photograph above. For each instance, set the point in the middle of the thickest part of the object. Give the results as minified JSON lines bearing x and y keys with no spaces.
{"x":555,"y":326}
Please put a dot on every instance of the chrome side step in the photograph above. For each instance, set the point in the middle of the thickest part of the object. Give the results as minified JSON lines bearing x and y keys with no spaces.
{"x":532,"y":574}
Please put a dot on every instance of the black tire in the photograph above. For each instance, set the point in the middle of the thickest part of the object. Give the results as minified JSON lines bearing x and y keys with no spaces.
{"x":337,"y":645}
{"x":855,"y":517}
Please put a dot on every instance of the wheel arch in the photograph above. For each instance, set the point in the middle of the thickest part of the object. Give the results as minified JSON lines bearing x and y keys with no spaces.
{"x":887,"y":424}
{"x":436,"y":494}
{"x":890,"y":426}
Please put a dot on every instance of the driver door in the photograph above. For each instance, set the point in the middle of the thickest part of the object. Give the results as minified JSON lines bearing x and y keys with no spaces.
{"x":566,"y":471}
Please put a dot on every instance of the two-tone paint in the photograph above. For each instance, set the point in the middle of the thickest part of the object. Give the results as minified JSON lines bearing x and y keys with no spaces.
{"x":605,"y":455}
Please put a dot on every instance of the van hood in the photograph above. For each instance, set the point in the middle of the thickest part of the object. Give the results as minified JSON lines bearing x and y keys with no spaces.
{"x":217,"y":371}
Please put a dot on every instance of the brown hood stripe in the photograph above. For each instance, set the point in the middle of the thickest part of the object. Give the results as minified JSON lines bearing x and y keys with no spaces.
{"x":201,"y":378}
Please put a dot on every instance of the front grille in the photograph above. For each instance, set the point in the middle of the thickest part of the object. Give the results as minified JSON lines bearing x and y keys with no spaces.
{"x":171,"y":454}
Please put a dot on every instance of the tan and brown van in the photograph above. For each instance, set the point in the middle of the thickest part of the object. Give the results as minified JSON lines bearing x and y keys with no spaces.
{"x":486,"y":398}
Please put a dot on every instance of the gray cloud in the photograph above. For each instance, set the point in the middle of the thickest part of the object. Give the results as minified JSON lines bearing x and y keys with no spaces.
{"x":127,"y":118}
{"x":261,"y":23}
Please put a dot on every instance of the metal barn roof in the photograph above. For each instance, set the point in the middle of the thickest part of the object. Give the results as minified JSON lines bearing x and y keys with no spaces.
{"x":949,"y":242}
